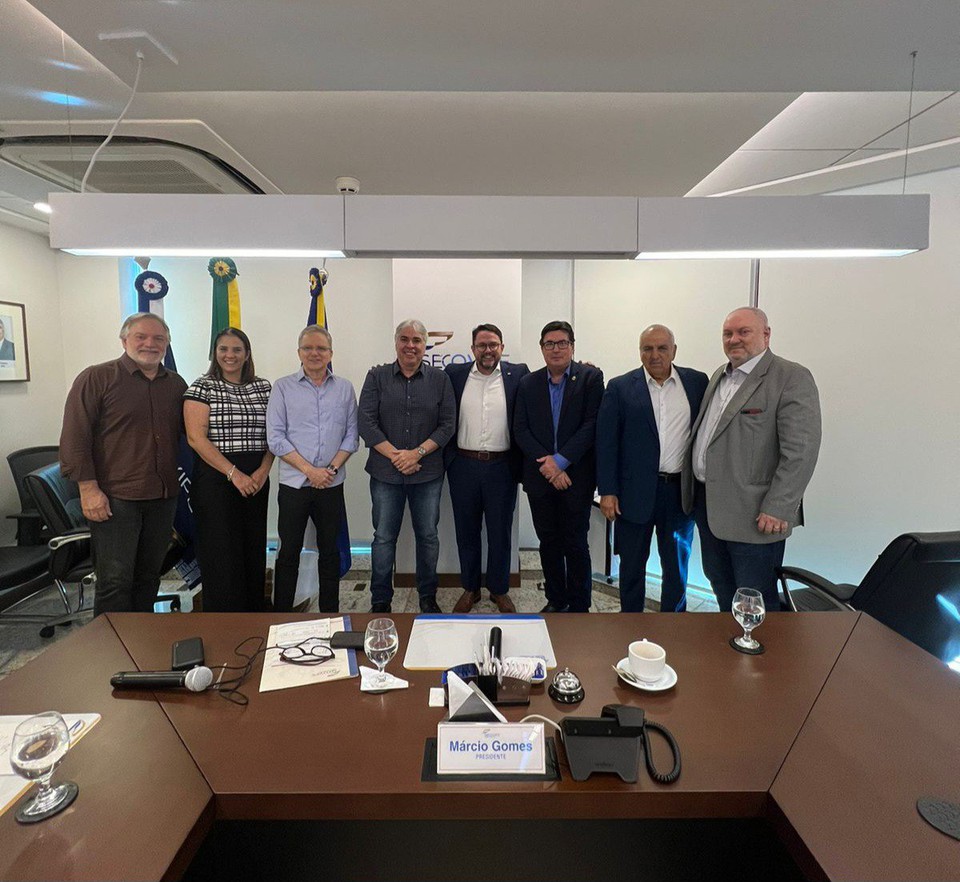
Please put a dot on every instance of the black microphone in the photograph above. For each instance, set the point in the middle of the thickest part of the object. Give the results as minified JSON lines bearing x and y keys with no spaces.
{"x":196,"y":679}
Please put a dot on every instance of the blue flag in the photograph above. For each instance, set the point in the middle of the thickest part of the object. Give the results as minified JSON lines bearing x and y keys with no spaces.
{"x":150,"y":286}
{"x":318,"y":316}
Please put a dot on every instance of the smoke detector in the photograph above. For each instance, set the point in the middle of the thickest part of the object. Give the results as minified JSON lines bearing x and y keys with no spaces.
{"x":346,"y":184}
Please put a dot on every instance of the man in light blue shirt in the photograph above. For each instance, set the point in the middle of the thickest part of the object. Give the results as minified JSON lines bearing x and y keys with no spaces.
{"x":312,"y":428}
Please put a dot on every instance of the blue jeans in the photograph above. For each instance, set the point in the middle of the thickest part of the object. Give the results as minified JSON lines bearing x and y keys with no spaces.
{"x":388,"y":502}
{"x":732,"y":565}
{"x":674,"y":538}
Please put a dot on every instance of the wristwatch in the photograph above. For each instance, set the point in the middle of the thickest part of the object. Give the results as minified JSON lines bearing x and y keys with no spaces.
{"x":333,"y":468}
{"x":421,"y":451}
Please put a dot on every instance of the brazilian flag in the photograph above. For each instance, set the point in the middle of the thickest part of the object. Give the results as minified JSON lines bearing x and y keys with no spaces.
{"x":226,"y":297}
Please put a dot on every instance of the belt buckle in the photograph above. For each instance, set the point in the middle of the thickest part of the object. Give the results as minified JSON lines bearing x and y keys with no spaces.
{"x":483,"y":455}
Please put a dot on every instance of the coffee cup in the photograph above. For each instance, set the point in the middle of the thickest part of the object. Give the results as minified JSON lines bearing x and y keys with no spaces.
{"x":646,"y":660}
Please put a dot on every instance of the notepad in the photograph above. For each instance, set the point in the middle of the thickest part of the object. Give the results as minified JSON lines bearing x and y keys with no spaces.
{"x":440,"y":642}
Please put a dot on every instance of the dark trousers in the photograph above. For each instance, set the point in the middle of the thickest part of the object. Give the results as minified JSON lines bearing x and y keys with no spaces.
{"x":732,"y":565}
{"x":562,"y":521}
{"x":231,"y":537}
{"x":674,"y":538}
{"x":483,"y":492}
{"x":128,"y":551}
{"x":325,"y":509}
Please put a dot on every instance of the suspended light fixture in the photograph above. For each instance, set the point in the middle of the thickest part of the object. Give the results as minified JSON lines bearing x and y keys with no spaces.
{"x":489,"y":226}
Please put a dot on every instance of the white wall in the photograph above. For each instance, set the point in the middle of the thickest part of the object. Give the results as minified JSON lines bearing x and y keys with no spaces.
{"x":882,"y":339}
{"x":30,"y":412}
{"x":274,"y":300}
{"x":879,"y":335}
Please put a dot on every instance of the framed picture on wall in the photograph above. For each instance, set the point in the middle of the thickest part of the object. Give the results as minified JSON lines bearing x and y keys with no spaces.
{"x":14,"y":356}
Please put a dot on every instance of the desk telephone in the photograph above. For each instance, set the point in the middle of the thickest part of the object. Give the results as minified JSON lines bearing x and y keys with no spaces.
{"x":613,"y":741}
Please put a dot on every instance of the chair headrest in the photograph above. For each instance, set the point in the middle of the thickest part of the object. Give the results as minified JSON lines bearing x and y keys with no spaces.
{"x":56,"y":497}
{"x":937,"y":547}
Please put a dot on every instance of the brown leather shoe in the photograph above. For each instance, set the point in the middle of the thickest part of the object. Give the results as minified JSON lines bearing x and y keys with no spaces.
{"x":503,"y":602}
{"x":466,"y":602}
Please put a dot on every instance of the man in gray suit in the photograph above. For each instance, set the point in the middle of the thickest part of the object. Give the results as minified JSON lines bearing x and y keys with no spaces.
{"x":752,"y":453}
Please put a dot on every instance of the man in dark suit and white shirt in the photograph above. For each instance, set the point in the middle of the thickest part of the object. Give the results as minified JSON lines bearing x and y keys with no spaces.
{"x":555,"y":425}
{"x":752,"y":454}
{"x":642,"y":432}
{"x":7,"y":350}
{"x":483,"y":466}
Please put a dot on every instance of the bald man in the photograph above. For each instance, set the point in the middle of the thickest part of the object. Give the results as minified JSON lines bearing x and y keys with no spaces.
{"x":642,"y":432}
{"x":753,"y":452}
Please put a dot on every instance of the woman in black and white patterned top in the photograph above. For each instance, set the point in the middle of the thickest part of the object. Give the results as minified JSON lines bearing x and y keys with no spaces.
{"x":225,"y":412}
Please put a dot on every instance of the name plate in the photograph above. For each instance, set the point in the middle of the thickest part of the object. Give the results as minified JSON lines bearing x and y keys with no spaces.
{"x":491,"y":749}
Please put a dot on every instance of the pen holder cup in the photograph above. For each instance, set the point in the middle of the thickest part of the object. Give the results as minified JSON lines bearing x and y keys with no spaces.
{"x":487,"y":684}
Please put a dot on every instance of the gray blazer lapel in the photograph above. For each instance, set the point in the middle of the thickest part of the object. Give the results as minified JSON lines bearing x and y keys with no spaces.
{"x":747,"y":388}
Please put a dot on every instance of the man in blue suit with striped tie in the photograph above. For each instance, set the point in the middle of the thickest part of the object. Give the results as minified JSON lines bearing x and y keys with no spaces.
{"x":642,"y":431}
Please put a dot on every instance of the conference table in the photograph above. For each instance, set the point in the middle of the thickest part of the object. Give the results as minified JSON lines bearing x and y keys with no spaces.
{"x":803,"y":762}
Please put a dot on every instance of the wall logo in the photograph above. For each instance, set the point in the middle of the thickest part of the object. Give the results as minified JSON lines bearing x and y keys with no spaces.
{"x":439,"y":338}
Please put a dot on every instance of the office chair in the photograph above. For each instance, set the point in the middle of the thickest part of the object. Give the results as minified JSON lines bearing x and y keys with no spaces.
{"x":913,"y":588}
{"x":30,"y":528}
{"x":58,"y":501}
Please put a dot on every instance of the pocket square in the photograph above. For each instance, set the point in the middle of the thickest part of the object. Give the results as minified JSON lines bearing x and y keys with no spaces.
{"x":752,"y":411}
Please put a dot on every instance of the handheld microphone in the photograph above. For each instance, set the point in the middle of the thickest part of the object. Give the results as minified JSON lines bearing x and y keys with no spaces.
{"x":196,"y":679}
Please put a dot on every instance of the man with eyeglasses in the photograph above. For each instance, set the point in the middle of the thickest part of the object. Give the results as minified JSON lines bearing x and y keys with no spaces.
{"x":555,"y":425}
{"x":483,"y":466}
{"x":312,"y":428}
{"x":407,"y":415}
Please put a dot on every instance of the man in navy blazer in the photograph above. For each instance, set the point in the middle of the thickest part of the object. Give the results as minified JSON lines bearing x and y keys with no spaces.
{"x":483,"y":466}
{"x":642,"y":432}
{"x":555,"y":425}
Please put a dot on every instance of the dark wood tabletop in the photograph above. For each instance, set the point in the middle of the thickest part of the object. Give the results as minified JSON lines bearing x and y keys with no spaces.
{"x":143,"y":805}
{"x":884,"y":732}
{"x":832,"y":733}
{"x":330,"y":751}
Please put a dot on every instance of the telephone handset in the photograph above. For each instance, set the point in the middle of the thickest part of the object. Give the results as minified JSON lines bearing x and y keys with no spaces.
{"x":612,"y":743}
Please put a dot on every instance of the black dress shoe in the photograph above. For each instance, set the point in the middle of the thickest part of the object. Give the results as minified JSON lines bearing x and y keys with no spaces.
{"x":429,"y":604}
{"x":380,"y":608}
{"x":551,"y":608}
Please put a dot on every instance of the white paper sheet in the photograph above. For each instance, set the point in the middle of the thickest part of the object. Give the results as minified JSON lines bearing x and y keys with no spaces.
{"x":278,"y":674}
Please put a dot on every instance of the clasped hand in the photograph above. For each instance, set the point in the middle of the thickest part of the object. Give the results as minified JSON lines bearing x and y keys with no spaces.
{"x":557,"y":477}
{"x":407,"y":462}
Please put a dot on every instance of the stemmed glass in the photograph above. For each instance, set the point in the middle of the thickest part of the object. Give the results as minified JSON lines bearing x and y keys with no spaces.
{"x":748,"y":609}
{"x":39,"y":744}
{"x":380,"y":643}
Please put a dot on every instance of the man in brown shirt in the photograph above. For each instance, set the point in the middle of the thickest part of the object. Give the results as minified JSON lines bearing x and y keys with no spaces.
{"x":121,"y":428}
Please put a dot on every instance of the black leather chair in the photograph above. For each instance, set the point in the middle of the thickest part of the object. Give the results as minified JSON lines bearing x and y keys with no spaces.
{"x":30,"y":528}
{"x":913,"y":588}
{"x":58,"y":501}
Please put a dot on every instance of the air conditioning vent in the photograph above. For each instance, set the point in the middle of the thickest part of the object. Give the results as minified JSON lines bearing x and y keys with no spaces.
{"x":126,"y":165}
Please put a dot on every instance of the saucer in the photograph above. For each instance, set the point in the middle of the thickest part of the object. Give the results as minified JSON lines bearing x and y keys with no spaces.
{"x":667,"y":680}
